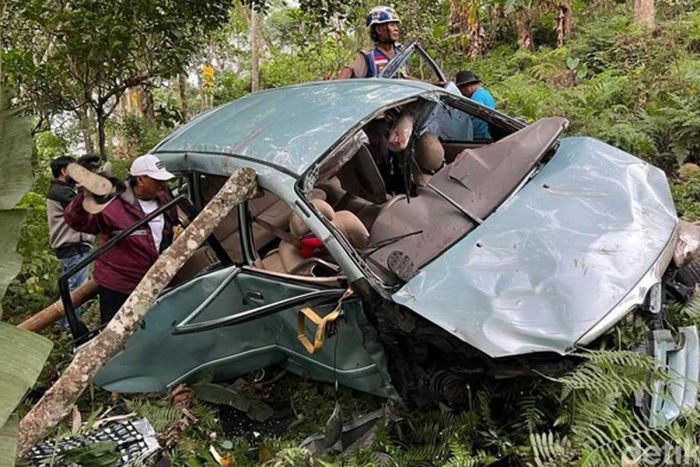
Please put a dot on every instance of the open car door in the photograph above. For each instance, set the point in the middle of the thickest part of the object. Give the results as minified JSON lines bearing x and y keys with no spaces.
{"x":232,"y":321}
{"x":417,"y":64}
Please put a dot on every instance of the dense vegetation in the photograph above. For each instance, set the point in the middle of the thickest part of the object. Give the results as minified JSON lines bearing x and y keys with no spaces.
{"x":634,"y":87}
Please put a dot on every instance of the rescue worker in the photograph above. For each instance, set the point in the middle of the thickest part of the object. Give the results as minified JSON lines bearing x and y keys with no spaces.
{"x":383,"y":24}
{"x":470,"y":86}
{"x":119,"y":270}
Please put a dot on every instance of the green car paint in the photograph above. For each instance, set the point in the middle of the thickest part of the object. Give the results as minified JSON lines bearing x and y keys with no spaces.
{"x":157,"y":358}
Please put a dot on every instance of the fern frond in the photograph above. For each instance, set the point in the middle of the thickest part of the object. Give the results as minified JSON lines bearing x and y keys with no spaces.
{"x":614,"y":371}
{"x":548,"y":449}
{"x":529,"y":415}
{"x":159,"y":415}
{"x":462,"y":456}
{"x":690,"y":313}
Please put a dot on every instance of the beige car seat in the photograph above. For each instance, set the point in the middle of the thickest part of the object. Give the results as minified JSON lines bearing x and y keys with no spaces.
{"x":429,"y":157}
{"x":360,"y":176}
{"x":287,"y":258}
{"x":268,"y":208}
{"x":342,"y":200}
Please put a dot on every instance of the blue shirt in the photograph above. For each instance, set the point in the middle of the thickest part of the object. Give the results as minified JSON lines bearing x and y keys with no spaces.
{"x":481,"y":128}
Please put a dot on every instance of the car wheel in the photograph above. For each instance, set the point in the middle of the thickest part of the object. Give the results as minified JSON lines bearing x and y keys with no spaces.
{"x":689,"y":275}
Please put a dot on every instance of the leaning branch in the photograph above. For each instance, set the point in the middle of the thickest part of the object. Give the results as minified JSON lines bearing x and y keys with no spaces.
{"x":52,"y":313}
{"x":58,"y":400}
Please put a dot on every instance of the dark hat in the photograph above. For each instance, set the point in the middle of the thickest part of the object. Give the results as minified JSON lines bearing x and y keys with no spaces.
{"x":466,"y":77}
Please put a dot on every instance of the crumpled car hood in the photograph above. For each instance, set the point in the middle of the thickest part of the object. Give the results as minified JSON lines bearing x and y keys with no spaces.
{"x":579,"y":241}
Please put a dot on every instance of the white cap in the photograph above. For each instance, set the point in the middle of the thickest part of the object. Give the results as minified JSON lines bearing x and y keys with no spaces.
{"x":150,"y":166}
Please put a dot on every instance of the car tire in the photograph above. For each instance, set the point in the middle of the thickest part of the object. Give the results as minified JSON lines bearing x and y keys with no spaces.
{"x":689,"y":275}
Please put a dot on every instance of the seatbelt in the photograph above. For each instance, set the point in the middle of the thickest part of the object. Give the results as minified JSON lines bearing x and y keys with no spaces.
{"x":277,"y":232}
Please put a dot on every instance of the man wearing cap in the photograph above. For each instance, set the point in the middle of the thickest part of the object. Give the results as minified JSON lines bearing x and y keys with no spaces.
{"x":119,"y":270}
{"x":470,"y":86}
{"x":383,"y":24}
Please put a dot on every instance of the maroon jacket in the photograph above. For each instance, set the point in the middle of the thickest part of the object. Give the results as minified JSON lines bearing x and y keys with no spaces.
{"x":121,"y":267}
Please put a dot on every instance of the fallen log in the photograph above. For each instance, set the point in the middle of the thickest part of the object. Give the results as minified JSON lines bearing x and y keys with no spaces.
{"x":52,"y":313}
{"x":60,"y":398}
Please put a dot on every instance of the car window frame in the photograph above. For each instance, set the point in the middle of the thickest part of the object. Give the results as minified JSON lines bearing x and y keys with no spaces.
{"x":392,"y":69}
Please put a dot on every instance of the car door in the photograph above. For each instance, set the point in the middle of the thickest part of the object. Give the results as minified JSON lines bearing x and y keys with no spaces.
{"x":236,"y":319}
{"x":420,"y":65}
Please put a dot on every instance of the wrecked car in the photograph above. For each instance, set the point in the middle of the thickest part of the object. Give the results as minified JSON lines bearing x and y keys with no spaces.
{"x":391,"y":251}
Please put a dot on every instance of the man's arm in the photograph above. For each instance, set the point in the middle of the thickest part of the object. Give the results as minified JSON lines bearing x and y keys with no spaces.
{"x":357,"y":69}
{"x":81,"y":220}
{"x":345,"y":73}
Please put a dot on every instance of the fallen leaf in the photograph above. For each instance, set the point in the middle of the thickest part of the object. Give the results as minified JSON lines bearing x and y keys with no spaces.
{"x":264,"y":454}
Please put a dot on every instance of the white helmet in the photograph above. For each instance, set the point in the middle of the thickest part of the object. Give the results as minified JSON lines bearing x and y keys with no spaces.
{"x":382,"y":15}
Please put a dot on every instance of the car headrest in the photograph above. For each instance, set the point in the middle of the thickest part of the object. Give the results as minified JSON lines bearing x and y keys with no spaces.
{"x":298,"y":228}
{"x":352,"y":227}
{"x":429,"y":153}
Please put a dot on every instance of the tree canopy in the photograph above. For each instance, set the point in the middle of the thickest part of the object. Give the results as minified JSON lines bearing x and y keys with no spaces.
{"x":85,"y":54}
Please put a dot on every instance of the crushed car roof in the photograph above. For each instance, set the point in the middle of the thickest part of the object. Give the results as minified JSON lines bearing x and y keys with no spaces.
{"x":289,"y":128}
{"x":561,"y":260}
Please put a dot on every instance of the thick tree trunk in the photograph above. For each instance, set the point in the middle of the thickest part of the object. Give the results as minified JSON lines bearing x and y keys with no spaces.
{"x":182,"y":88}
{"x":645,"y":13}
{"x":497,"y":12}
{"x":86,"y":129}
{"x":101,"y":134}
{"x":458,"y":15}
{"x":147,"y":103}
{"x":458,"y":23}
{"x":52,"y":313}
{"x":57,"y":401}
{"x":564,"y":21}
{"x":255,"y":52}
{"x":523,"y":24}
{"x":477,"y":40}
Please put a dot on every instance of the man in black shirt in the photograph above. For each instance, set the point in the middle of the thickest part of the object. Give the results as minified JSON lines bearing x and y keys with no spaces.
{"x":69,"y":245}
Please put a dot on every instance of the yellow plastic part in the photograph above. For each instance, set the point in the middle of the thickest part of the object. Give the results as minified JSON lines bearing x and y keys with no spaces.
{"x":320,"y":322}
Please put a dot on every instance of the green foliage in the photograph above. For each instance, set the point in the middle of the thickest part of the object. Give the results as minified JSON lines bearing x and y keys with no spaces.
{"x":602,"y":424}
{"x":87,"y":56}
{"x":636,"y":91}
{"x":22,"y":354}
{"x":687,"y":198}
{"x":160,"y":413}
{"x":49,"y":145}
{"x":102,"y":453}
{"x":140,"y":136}
{"x":613,"y":371}
{"x":687,"y":315}
{"x":550,"y":450}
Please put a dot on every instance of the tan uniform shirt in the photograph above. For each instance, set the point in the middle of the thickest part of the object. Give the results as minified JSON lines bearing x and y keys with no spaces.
{"x":359,"y":64}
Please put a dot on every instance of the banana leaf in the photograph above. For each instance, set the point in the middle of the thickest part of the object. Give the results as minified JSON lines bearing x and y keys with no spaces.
{"x":8,"y":442}
{"x":15,"y":154}
{"x":22,"y":354}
